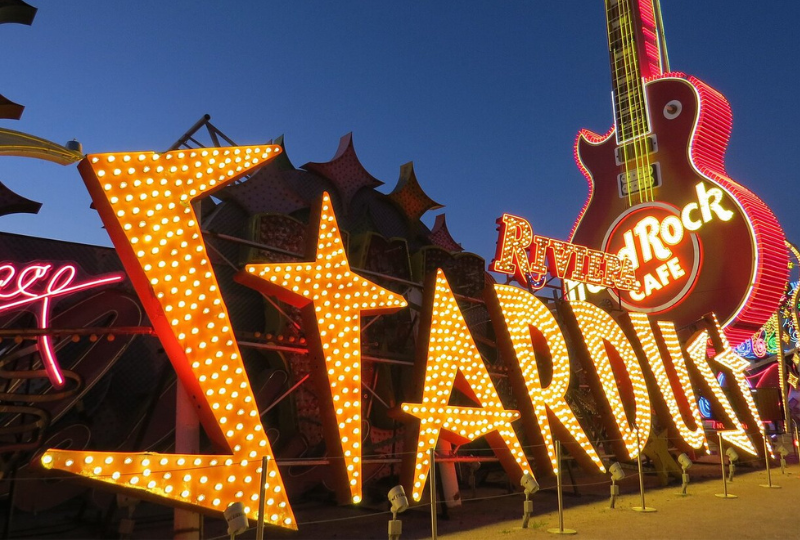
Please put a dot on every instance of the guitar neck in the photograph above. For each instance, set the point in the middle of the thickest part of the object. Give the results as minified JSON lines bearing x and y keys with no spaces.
{"x":635,"y":54}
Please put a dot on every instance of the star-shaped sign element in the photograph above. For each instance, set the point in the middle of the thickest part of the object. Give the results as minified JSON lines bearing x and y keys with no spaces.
{"x":453,"y":361}
{"x":335,"y":299}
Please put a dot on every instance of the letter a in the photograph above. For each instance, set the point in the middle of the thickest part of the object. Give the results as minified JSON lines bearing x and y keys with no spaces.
{"x":451,"y":360}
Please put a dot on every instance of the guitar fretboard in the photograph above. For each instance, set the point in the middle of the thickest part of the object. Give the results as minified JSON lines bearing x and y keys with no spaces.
{"x":633,"y":54}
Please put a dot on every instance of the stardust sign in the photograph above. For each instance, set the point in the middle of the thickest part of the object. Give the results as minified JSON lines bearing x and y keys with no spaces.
{"x":635,"y":367}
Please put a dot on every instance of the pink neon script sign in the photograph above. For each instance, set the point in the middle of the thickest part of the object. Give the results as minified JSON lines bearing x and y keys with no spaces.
{"x":37,"y":283}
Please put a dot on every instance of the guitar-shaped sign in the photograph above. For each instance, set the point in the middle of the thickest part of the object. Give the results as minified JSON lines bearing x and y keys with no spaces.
{"x":658,"y":192}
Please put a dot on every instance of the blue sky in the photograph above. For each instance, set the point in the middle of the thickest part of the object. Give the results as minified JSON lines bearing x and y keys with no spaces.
{"x":485,"y":97}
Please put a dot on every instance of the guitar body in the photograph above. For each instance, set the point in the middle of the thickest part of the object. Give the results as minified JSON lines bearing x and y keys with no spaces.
{"x":702,"y":242}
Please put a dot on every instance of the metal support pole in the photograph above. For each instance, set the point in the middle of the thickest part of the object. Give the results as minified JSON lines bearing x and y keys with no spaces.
{"x":614,"y":494}
{"x":11,"y":502}
{"x":787,"y":416}
{"x":395,"y":528}
{"x":261,"y":494}
{"x":448,"y":477}
{"x":561,"y":529}
{"x":186,"y":524}
{"x":432,"y":484}
{"x":769,"y":483}
{"x":527,"y":510}
{"x":644,"y":507}
{"x":724,"y":494}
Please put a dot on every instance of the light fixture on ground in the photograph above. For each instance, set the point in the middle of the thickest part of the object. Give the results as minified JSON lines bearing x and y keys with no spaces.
{"x":617,"y":474}
{"x":530,"y":486}
{"x":397,"y":497}
{"x":781,"y":449}
{"x":236,"y":518}
{"x":685,"y":462}
{"x":733,"y":457}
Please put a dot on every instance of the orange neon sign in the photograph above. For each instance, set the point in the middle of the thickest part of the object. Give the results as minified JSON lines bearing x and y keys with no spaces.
{"x":145,"y":201}
{"x":335,"y":297}
{"x":453,"y":361}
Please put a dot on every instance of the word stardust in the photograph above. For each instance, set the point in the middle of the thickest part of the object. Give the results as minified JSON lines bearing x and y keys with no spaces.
{"x":635,"y":367}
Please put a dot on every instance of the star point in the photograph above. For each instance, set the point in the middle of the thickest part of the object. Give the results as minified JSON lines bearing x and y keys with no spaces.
{"x":336,"y":297}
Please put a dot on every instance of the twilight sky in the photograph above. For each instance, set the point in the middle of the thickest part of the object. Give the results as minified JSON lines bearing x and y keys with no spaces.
{"x":485,"y":97}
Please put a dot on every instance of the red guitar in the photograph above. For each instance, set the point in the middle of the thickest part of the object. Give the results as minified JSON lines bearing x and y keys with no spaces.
{"x":659,"y":194}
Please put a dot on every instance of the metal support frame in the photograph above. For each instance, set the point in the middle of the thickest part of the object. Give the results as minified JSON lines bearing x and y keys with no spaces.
{"x":724,"y":494}
{"x":643,"y":507}
{"x":560,"y":529}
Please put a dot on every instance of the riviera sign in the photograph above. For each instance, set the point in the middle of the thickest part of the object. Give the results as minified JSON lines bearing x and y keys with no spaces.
{"x":528,"y":257}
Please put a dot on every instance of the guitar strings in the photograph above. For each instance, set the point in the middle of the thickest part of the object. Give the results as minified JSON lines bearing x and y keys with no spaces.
{"x":636,"y":101}
{"x":646,"y":173}
{"x":634,"y":93}
{"x":616,"y":69}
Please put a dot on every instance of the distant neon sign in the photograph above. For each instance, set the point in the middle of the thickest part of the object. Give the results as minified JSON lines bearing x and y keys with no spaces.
{"x":44,"y":282}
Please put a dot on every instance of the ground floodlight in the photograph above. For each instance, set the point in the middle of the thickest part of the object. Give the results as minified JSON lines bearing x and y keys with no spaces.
{"x":783,"y":451}
{"x":397,"y":496}
{"x":616,"y":471}
{"x":531,"y":486}
{"x":399,"y":501}
{"x":617,"y":474}
{"x":733,"y":457}
{"x":685,"y":463}
{"x":236,"y":518}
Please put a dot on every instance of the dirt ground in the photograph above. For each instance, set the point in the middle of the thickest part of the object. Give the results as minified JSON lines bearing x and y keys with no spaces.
{"x":492,"y":511}
{"x":757,"y":512}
